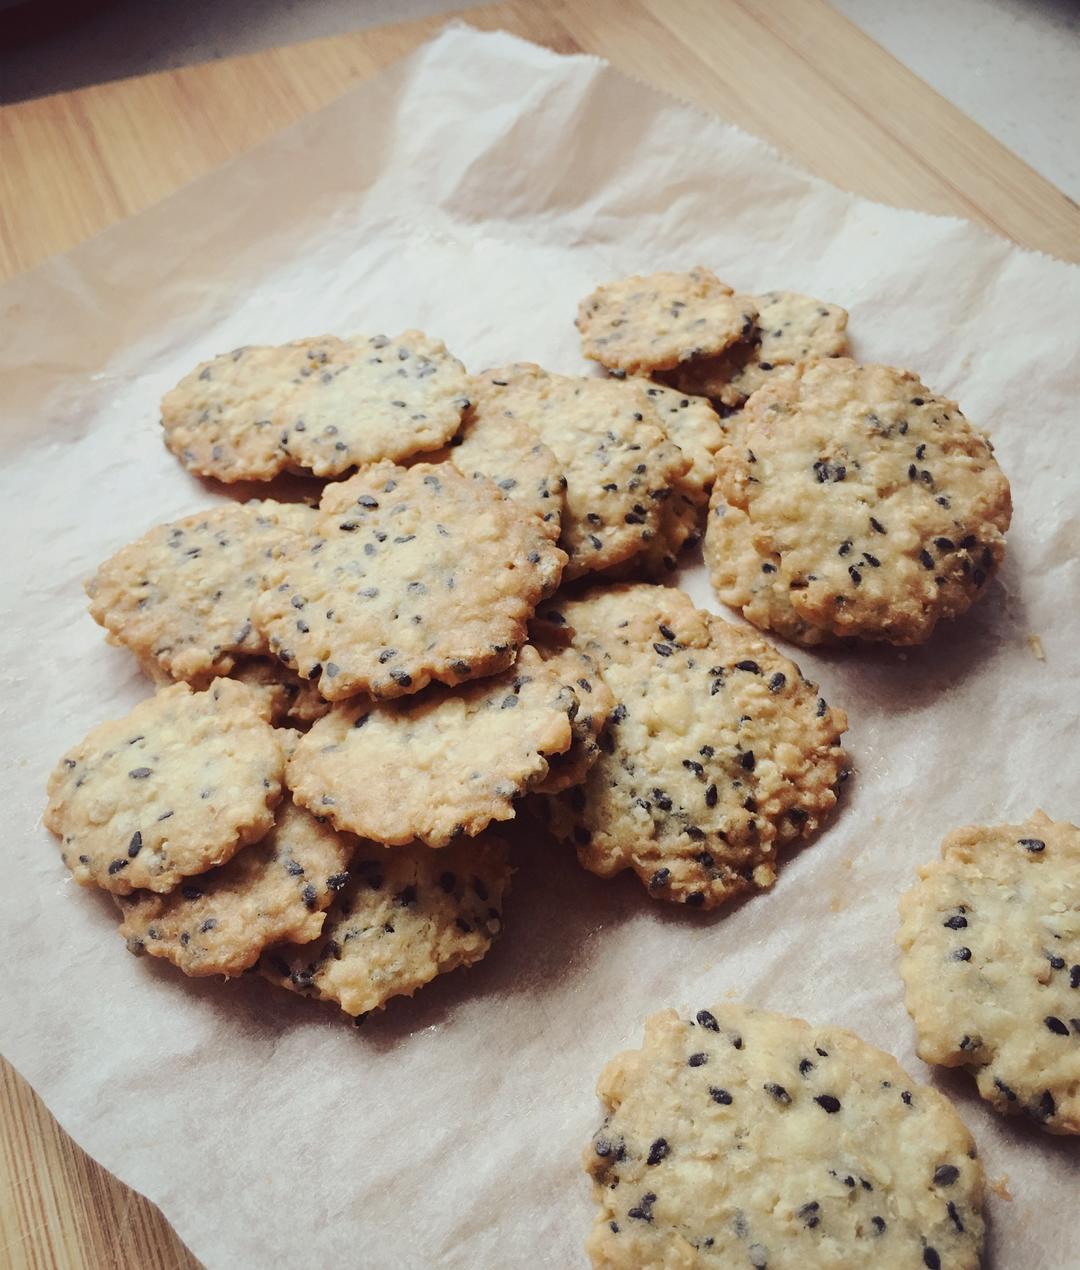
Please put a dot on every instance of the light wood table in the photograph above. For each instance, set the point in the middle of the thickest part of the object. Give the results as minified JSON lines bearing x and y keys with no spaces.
{"x":798,"y":74}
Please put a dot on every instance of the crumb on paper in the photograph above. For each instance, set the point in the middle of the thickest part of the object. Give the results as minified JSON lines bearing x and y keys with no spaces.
{"x":1000,"y":1186}
{"x":1036,"y":646}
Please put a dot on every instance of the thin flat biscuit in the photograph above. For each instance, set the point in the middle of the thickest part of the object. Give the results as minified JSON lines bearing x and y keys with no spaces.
{"x":887,"y":510}
{"x":508,"y":452}
{"x":181,"y":596}
{"x":620,"y":467}
{"x":745,"y":1138}
{"x":990,"y":955}
{"x":718,"y":753}
{"x":642,"y":324}
{"x":790,"y":328}
{"x":276,"y":890}
{"x":322,"y":405}
{"x":440,"y":765}
{"x":405,"y":915}
{"x":410,"y":575}
{"x":174,"y":788}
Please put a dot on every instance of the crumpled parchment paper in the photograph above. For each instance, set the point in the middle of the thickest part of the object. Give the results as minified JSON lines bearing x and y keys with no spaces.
{"x":478,"y":190}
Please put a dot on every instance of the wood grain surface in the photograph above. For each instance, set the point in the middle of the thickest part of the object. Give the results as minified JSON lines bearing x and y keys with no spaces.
{"x":797,"y":74}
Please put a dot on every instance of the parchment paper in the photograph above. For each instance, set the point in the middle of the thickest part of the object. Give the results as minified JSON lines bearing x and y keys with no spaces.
{"x":477,"y":190}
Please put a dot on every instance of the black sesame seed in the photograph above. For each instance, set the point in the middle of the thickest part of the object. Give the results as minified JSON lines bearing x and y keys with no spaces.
{"x":720,"y":1096}
{"x":828,"y":1103}
{"x":697,"y":1060}
{"x":139,"y":773}
{"x":663,"y":649}
{"x":1034,"y":845}
{"x":116,"y":865}
{"x":778,"y":1092}
{"x":1056,"y":1026}
{"x":955,"y":923}
{"x":961,"y":954}
{"x":805,"y":1066}
{"x":707,"y":1020}
{"x":658,"y":1151}
{"x":777,"y":682}
{"x":954,"y":1216}
{"x":879,"y":1224}
{"x":135,"y":845}
{"x":711,"y":796}
{"x":309,"y":895}
{"x":946,"y":1174}
{"x":751,"y":666}
{"x":747,"y":761}
{"x":930,"y":1259}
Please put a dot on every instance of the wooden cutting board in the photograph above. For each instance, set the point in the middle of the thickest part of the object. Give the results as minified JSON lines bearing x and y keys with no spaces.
{"x":798,"y":74}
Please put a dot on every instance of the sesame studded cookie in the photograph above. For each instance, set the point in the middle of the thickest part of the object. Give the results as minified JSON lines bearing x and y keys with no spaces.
{"x":440,"y":765}
{"x":409,"y":575}
{"x":883,"y":510}
{"x":718,"y":753}
{"x":749,"y":580}
{"x":405,"y":915}
{"x":508,"y":452}
{"x":746,"y":1138}
{"x":790,"y":328}
{"x":181,"y":596}
{"x":174,"y":788}
{"x":620,"y":467}
{"x":275,"y":890}
{"x":580,"y":673}
{"x":643,"y":324}
{"x":322,"y":405}
{"x":990,"y":955}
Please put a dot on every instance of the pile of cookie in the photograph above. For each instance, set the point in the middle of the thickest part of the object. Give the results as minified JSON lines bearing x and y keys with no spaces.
{"x":469,"y":627}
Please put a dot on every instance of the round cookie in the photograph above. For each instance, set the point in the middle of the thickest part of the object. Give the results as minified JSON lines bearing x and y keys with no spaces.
{"x":509,"y":453}
{"x":990,"y":956}
{"x":437,"y":766}
{"x":642,"y":324}
{"x":410,"y":575}
{"x":746,"y":1138}
{"x":405,"y":915}
{"x":595,"y":704}
{"x":790,"y":328}
{"x":718,"y":753}
{"x":174,"y":788}
{"x":695,"y":427}
{"x":323,"y":405}
{"x":276,"y":890}
{"x":181,"y":595}
{"x":750,"y":581}
{"x":885,"y":508}
{"x":618,"y":462}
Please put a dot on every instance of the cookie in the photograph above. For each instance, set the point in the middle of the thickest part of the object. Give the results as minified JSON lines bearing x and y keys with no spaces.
{"x":642,"y":324}
{"x":322,"y":405}
{"x":405,"y":915}
{"x":749,"y":580}
{"x":440,"y":765}
{"x":276,"y":890}
{"x":695,"y":427}
{"x":990,"y":955}
{"x":620,"y":467}
{"x":181,"y":595}
{"x":747,"y":1138}
{"x":885,"y":509}
{"x":595,"y":703}
{"x":718,"y":753}
{"x":505,"y":450}
{"x":291,"y":701}
{"x":174,"y":788}
{"x":790,"y":328}
{"x":409,"y":575}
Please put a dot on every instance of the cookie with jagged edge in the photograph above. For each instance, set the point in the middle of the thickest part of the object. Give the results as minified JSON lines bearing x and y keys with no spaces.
{"x":322,"y":405}
{"x":790,"y":328}
{"x":718,"y":753}
{"x":409,"y":575}
{"x":885,"y":510}
{"x":508,"y":452}
{"x":746,"y":1138}
{"x":275,"y":890}
{"x":181,"y":595}
{"x":581,"y":674}
{"x":174,"y":788}
{"x":439,"y":765}
{"x":648,"y":323}
{"x":619,"y":464}
{"x":405,"y":915}
{"x":751,"y":581}
{"x":990,"y":956}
